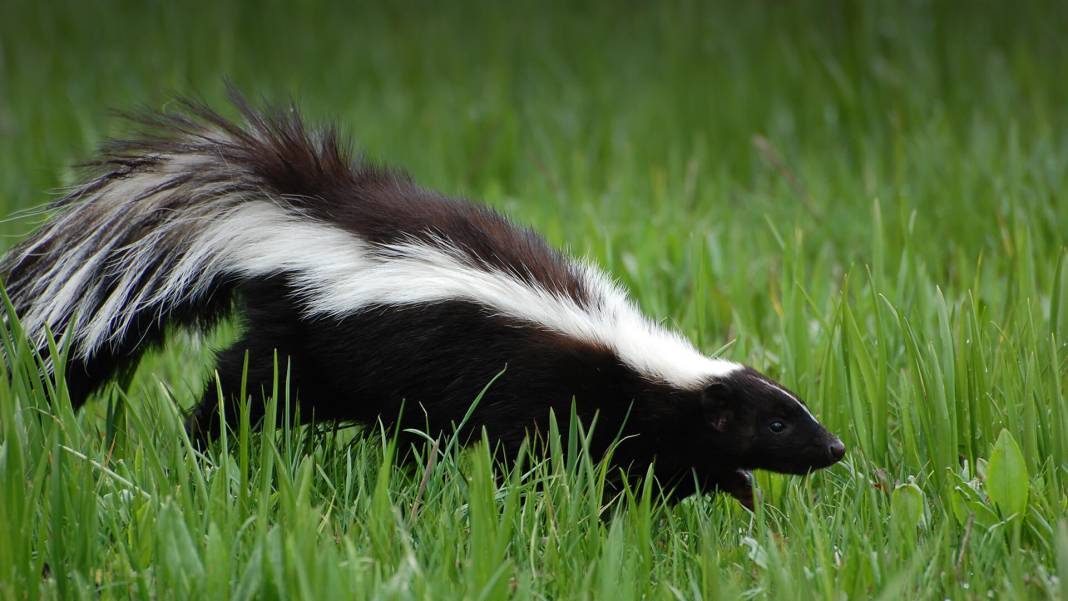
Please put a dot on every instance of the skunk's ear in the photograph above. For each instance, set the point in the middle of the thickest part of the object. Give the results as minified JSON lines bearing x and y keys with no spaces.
{"x":716,"y":405}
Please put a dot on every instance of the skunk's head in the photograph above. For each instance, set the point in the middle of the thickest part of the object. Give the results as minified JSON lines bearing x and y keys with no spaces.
{"x":761,"y":425}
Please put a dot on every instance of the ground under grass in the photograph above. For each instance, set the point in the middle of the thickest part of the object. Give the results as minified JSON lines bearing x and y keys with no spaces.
{"x":864,"y":199}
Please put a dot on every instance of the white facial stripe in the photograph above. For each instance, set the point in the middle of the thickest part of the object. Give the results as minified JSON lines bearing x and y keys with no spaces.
{"x":791,"y":396}
{"x":337,"y":274}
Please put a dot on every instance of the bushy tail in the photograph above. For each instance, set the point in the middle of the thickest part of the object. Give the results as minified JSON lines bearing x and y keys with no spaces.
{"x":178,"y":217}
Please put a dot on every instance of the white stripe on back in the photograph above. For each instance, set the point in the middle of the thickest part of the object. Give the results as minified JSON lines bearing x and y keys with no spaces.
{"x":336,"y":274}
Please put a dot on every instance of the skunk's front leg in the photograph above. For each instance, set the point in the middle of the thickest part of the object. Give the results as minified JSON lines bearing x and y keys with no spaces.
{"x":738,"y":484}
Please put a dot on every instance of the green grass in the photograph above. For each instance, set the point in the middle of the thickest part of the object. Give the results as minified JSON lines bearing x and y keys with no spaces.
{"x":865,"y":200}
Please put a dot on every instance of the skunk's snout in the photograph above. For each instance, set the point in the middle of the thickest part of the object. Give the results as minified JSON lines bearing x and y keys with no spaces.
{"x":836,"y":450}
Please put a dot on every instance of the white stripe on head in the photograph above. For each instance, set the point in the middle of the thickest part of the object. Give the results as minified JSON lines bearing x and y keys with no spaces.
{"x":789,"y":395}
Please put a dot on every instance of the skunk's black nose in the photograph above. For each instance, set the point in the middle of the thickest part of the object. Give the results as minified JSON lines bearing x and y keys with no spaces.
{"x":836,"y":450}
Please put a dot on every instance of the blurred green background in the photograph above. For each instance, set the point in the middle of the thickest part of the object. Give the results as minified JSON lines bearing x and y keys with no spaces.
{"x":864,"y":199}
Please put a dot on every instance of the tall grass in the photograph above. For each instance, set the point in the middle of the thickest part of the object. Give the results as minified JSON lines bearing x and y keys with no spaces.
{"x":863,"y":199}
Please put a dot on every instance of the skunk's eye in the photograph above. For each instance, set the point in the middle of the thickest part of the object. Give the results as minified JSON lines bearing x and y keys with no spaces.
{"x":776,"y":426}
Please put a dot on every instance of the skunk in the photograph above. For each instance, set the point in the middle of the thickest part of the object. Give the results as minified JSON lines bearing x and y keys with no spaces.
{"x":380,"y":295}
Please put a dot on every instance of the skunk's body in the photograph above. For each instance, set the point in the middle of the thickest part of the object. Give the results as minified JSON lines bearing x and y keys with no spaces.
{"x":378,"y":293}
